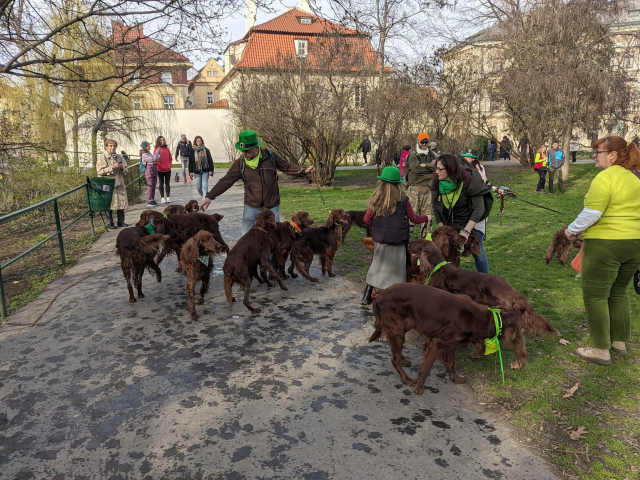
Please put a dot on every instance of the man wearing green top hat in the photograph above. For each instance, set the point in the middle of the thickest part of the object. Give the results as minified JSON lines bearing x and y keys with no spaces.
{"x":258,"y":168}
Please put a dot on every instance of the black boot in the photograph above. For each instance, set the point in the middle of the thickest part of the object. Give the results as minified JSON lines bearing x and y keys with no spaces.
{"x":366,"y":298}
{"x":109,"y":215}
{"x":120,"y":214}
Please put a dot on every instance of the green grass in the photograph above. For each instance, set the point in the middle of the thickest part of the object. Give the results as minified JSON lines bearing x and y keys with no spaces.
{"x":607,"y":400}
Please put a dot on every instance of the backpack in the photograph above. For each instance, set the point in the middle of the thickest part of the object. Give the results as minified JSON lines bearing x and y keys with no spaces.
{"x":243,"y":164}
{"x":486,"y":197}
{"x":142,"y":167}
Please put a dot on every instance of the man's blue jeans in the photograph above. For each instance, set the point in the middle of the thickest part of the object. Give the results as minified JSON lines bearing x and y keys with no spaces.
{"x":482,"y":264}
{"x":185,"y":163}
{"x":249,"y":216}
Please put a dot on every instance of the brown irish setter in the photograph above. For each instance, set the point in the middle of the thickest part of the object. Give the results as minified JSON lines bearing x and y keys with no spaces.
{"x":250,"y":253}
{"x":285,"y":233}
{"x":196,"y":259}
{"x":486,"y":289}
{"x":448,"y":241}
{"x":562,"y":246}
{"x":322,"y":241}
{"x":448,"y":321}
{"x":138,"y":250}
{"x":356,"y":217}
{"x":185,"y":227}
{"x":190,"y":207}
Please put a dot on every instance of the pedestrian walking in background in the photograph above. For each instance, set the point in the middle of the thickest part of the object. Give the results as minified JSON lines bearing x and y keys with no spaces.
{"x":164,"y":169}
{"x":505,"y":149}
{"x":183,"y":152}
{"x":389,"y":213}
{"x":574,"y":147}
{"x":421,"y":165}
{"x":150,"y":163}
{"x":201,"y":165}
{"x":258,"y":169}
{"x":610,"y":227}
{"x":493,"y":146}
{"x":540,"y":166}
{"x":555,"y":160}
{"x":406,"y":150}
{"x":110,"y":164}
{"x":365,"y":146}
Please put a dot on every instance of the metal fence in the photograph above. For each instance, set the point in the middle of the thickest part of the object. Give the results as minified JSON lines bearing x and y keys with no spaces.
{"x":134,"y":182}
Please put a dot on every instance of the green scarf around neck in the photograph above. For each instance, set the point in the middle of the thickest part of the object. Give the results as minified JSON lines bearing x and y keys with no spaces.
{"x":447,"y":199}
{"x":254,"y":163}
{"x":447,"y":186}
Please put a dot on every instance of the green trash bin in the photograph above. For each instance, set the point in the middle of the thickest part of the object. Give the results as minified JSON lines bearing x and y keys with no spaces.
{"x":100,"y":193}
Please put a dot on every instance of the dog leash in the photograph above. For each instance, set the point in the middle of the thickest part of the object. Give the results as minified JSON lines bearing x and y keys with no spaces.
{"x":492,"y":345}
{"x":320,"y":192}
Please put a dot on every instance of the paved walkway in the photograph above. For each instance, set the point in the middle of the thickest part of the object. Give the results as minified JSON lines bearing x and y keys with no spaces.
{"x":92,"y":387}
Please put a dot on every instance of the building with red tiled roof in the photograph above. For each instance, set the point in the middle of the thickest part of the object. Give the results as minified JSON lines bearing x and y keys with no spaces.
{"x":297,"y":38}
{"x":202,"y":87}
{"x":161,"y":70}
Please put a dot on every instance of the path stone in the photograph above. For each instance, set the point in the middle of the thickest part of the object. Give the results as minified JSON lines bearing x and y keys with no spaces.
{"x":94,"y":387}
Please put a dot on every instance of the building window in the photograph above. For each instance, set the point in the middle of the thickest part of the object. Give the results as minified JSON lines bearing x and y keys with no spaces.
{"x":136,"y":103}
{"x":167,"y":102}
{"x":305,"y":21}
{"x":302,"y":47}
{"x":216,"y":73}
{"x":360,"y":96}
{"x":209,"y":98}
{"x":135,"y":77}
{"x":209,"y":73}
{"x":165,"y":77}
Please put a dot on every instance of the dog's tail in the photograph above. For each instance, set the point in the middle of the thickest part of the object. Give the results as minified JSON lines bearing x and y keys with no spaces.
{"x":533,"y":322}
{"x":549,"y":254}
{"x":149,"y":243}
{"x":228,"y":283}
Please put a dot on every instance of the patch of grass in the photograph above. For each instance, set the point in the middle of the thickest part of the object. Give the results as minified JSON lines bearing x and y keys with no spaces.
{"x":606,"y":401}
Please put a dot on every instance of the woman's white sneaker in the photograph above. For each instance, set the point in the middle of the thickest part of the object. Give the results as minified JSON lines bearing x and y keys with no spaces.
{"x":168,"y":200}
{"x":163,"y":200}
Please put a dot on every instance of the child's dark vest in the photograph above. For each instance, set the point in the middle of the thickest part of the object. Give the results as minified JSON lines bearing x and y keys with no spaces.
{"x":393,"y":229}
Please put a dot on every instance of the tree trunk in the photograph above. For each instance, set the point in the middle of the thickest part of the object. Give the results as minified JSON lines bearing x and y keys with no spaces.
{"x":74,"y":133}
{"x":94,"y":147}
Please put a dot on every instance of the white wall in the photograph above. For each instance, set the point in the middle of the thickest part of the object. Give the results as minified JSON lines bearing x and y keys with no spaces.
{"x":169,"y":123}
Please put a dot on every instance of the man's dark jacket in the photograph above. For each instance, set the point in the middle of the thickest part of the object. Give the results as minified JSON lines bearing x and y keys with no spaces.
{"x":261,"y":186}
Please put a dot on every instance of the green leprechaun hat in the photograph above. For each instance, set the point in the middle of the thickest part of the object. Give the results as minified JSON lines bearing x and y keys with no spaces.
{"x":247,"y":140}
{"x":391,"y":175}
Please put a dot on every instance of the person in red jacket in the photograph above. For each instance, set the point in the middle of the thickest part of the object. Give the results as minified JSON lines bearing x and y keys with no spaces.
{"x":164,"y":169}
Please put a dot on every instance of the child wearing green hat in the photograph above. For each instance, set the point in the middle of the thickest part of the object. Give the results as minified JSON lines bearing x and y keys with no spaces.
{"x":389,"y":213}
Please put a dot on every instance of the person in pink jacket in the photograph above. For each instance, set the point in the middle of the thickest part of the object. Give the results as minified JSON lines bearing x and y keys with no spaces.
{"x":150,"y":171}
{"x":406,"y":150}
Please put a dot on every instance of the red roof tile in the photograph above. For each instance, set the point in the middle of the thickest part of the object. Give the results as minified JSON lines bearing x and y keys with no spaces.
{"x":266,"y":50}
{"x":289,"y":23}
{"x":132,"y":45}
{"x":219,"y":104}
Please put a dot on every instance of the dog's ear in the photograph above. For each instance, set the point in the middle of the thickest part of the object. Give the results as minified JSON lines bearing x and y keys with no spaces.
{"x":472,"y":247}
{"x":163,"y":225}
{"x":217,"y":216}
{"x":441,"y":241}
{"x":190,"y":252}
{"x":144,"y":218}
{"x":511,"y":318}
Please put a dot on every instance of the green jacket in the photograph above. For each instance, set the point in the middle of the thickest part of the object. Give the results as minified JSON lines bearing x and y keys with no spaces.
{"x":418,"y":176}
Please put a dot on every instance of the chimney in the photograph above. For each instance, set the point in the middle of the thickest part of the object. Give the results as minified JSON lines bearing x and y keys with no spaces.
{"x":304,"y":6}
{"x":249,"y":15}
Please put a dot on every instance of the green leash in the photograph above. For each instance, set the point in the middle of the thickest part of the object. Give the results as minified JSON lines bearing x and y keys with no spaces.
{"x":491,"y":345}
{"x":150,"y":228}
{"x":437,"y":267}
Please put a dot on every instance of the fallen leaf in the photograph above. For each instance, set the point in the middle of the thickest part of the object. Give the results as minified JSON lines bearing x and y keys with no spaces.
{"x":536,"y":289}
{"x":577,"y":435}
{"x":508,"y":261}
{"x":571,"y":391}
{"x":541,"y":428}
{"x":533,"y":248}
{"x":508,"y":251}
{"x":564,"y":342}
{"x":16,"y":281}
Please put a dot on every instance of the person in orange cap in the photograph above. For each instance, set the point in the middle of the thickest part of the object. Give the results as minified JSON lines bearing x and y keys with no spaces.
{"x":421,"y":165}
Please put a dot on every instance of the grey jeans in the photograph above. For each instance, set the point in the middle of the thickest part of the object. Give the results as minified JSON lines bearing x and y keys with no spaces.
{"x":185,"y":164}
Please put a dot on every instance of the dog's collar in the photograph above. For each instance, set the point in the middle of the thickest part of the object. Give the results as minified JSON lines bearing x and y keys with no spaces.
{"x":492,"y":345}
{"x":261,"y":229}
{"x":436,"y":268}
{"x":150,"y":228}
{"x":165,"y":215}
{"x":295,"y":228}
